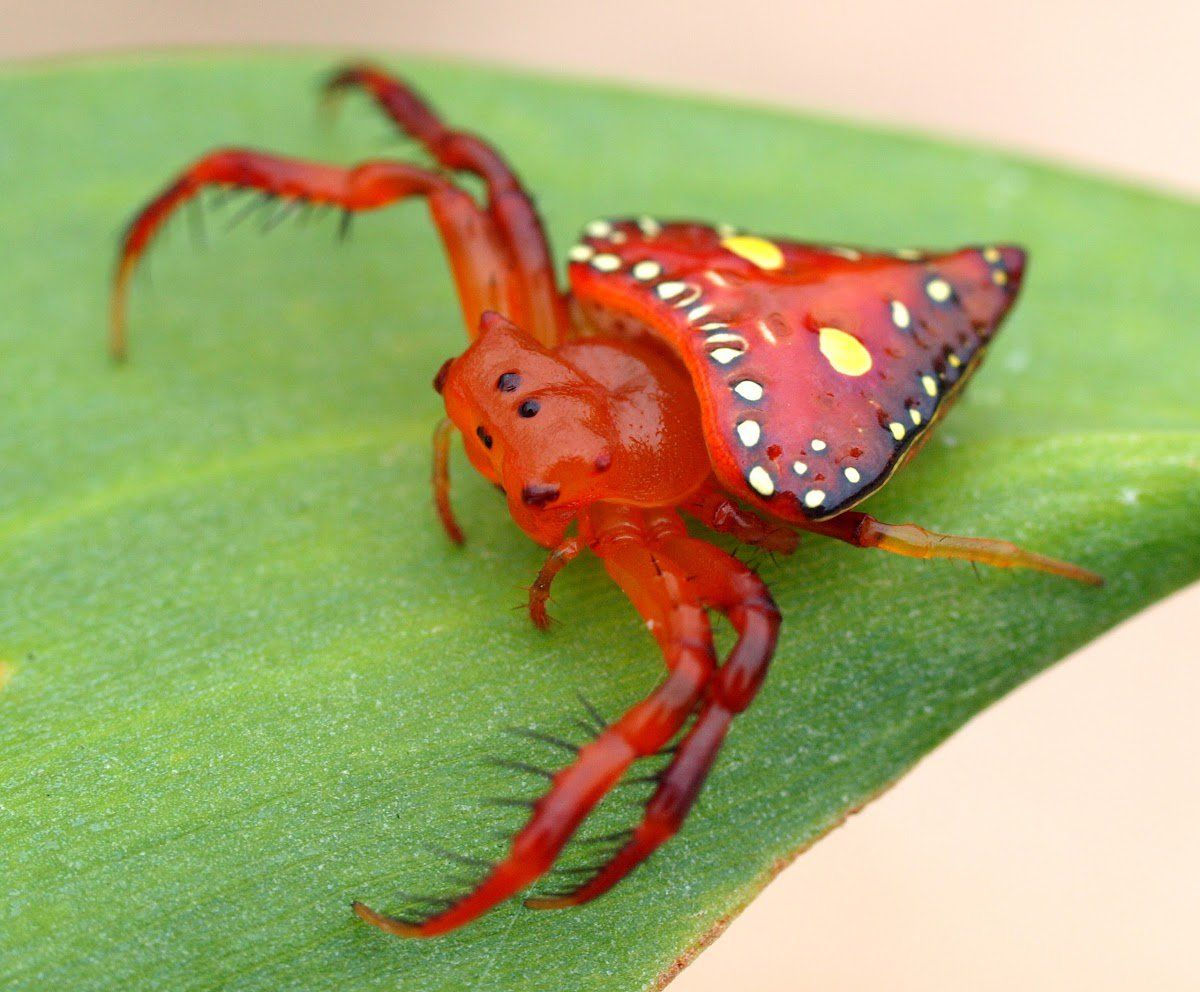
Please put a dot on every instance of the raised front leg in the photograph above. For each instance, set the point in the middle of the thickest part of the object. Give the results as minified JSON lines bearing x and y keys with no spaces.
{"x":916,"y":542}
{"x":662,"y":594}
{"x":509,"y":205}
{"x":482,"y":272}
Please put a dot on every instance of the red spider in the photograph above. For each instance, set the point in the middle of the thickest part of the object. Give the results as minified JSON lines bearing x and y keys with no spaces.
{"x":687,"y":368}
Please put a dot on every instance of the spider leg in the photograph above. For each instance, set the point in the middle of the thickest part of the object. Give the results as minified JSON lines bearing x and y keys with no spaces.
{"x":442,"y":434}
{"x":661,"y":593}
{"x":719,"y":512}
{"x":912,"y":541}
{"x":509,"y":205}
{"x":482,"y":270}
{"x":539,"y":592}
{"x":725,"y":584}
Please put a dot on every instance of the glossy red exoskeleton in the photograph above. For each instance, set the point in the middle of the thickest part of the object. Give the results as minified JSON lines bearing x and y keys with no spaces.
{"x":761,"y":386}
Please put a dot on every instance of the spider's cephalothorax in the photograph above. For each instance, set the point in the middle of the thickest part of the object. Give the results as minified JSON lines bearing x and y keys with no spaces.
{"x":689,"y":367}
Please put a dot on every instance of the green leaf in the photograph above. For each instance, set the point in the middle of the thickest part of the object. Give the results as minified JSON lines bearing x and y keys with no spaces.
{"x":245,"y":680}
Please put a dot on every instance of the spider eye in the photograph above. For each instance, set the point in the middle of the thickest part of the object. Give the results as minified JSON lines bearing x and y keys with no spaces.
{"x":529,"y":408}
{"x":484,"y":436}
{"x":508,"y":382}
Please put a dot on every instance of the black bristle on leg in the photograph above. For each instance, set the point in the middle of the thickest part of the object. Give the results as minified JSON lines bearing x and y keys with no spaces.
{"x":462,"y":859}
{"x":537,"y":735}
{"x":584,"y":871}
{"x":195,"y":212}
{"x":612,"y":838}
{"x":257,"y":202}
{"x":434,"y":903}
{"x":509,"y":801}
{"x":601,"y":723}
{"x":520,"y":766}
{"x":280,"y":215}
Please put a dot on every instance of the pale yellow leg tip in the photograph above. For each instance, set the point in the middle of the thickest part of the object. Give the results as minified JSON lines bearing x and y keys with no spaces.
{"x":387,"y":924}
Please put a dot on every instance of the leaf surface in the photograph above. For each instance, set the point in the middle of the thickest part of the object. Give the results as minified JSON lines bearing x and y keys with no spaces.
{"x":245,"y":680}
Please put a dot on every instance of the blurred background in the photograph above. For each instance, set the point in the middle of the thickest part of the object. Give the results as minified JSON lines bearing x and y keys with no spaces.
{"x":1051,"y":844}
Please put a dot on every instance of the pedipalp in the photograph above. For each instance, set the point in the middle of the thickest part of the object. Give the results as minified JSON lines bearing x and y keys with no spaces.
{"x":539,"y":592}
{"x":442,"y":434}
{"x":722,"y":583}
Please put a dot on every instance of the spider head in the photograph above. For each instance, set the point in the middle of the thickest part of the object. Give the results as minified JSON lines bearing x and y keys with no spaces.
{"x":532,"y":423}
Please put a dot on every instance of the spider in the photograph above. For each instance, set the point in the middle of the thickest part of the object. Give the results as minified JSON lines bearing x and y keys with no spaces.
{"x":761,"y":386}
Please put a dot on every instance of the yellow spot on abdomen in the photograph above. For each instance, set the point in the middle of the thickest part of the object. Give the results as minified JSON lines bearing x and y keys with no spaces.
{"x":757,"y":250}
{"x":6,"y":673}
{"x":844,"y":351}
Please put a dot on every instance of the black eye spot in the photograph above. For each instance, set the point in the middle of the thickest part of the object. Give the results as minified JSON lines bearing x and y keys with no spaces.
{"x":484,"y":436}
{"x":529,"y":408}
{"x":508,"y":382}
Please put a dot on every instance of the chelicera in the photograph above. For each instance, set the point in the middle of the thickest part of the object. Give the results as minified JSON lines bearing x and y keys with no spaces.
{"x":760,"y":386}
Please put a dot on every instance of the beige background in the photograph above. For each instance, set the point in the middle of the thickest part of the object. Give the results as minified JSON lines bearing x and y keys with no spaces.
{"x":1052,"y":844}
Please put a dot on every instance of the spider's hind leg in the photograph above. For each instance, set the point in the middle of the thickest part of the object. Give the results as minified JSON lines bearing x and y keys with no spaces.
{"x":864,"y":531}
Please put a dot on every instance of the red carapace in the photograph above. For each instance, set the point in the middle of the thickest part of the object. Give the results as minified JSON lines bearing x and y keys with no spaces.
{"x":761,"y":386}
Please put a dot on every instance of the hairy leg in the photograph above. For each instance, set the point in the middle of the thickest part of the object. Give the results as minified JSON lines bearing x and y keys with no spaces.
{"x":661,"y":594}
{"x":725,"y":584}
{"x":916,"y":542}
{"x":482,"y":271}
{"x":718,"y":511}
{"x":509,"y":205}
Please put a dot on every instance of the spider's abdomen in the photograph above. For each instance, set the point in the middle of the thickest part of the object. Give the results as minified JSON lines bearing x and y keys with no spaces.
{"x":818,"y":369}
